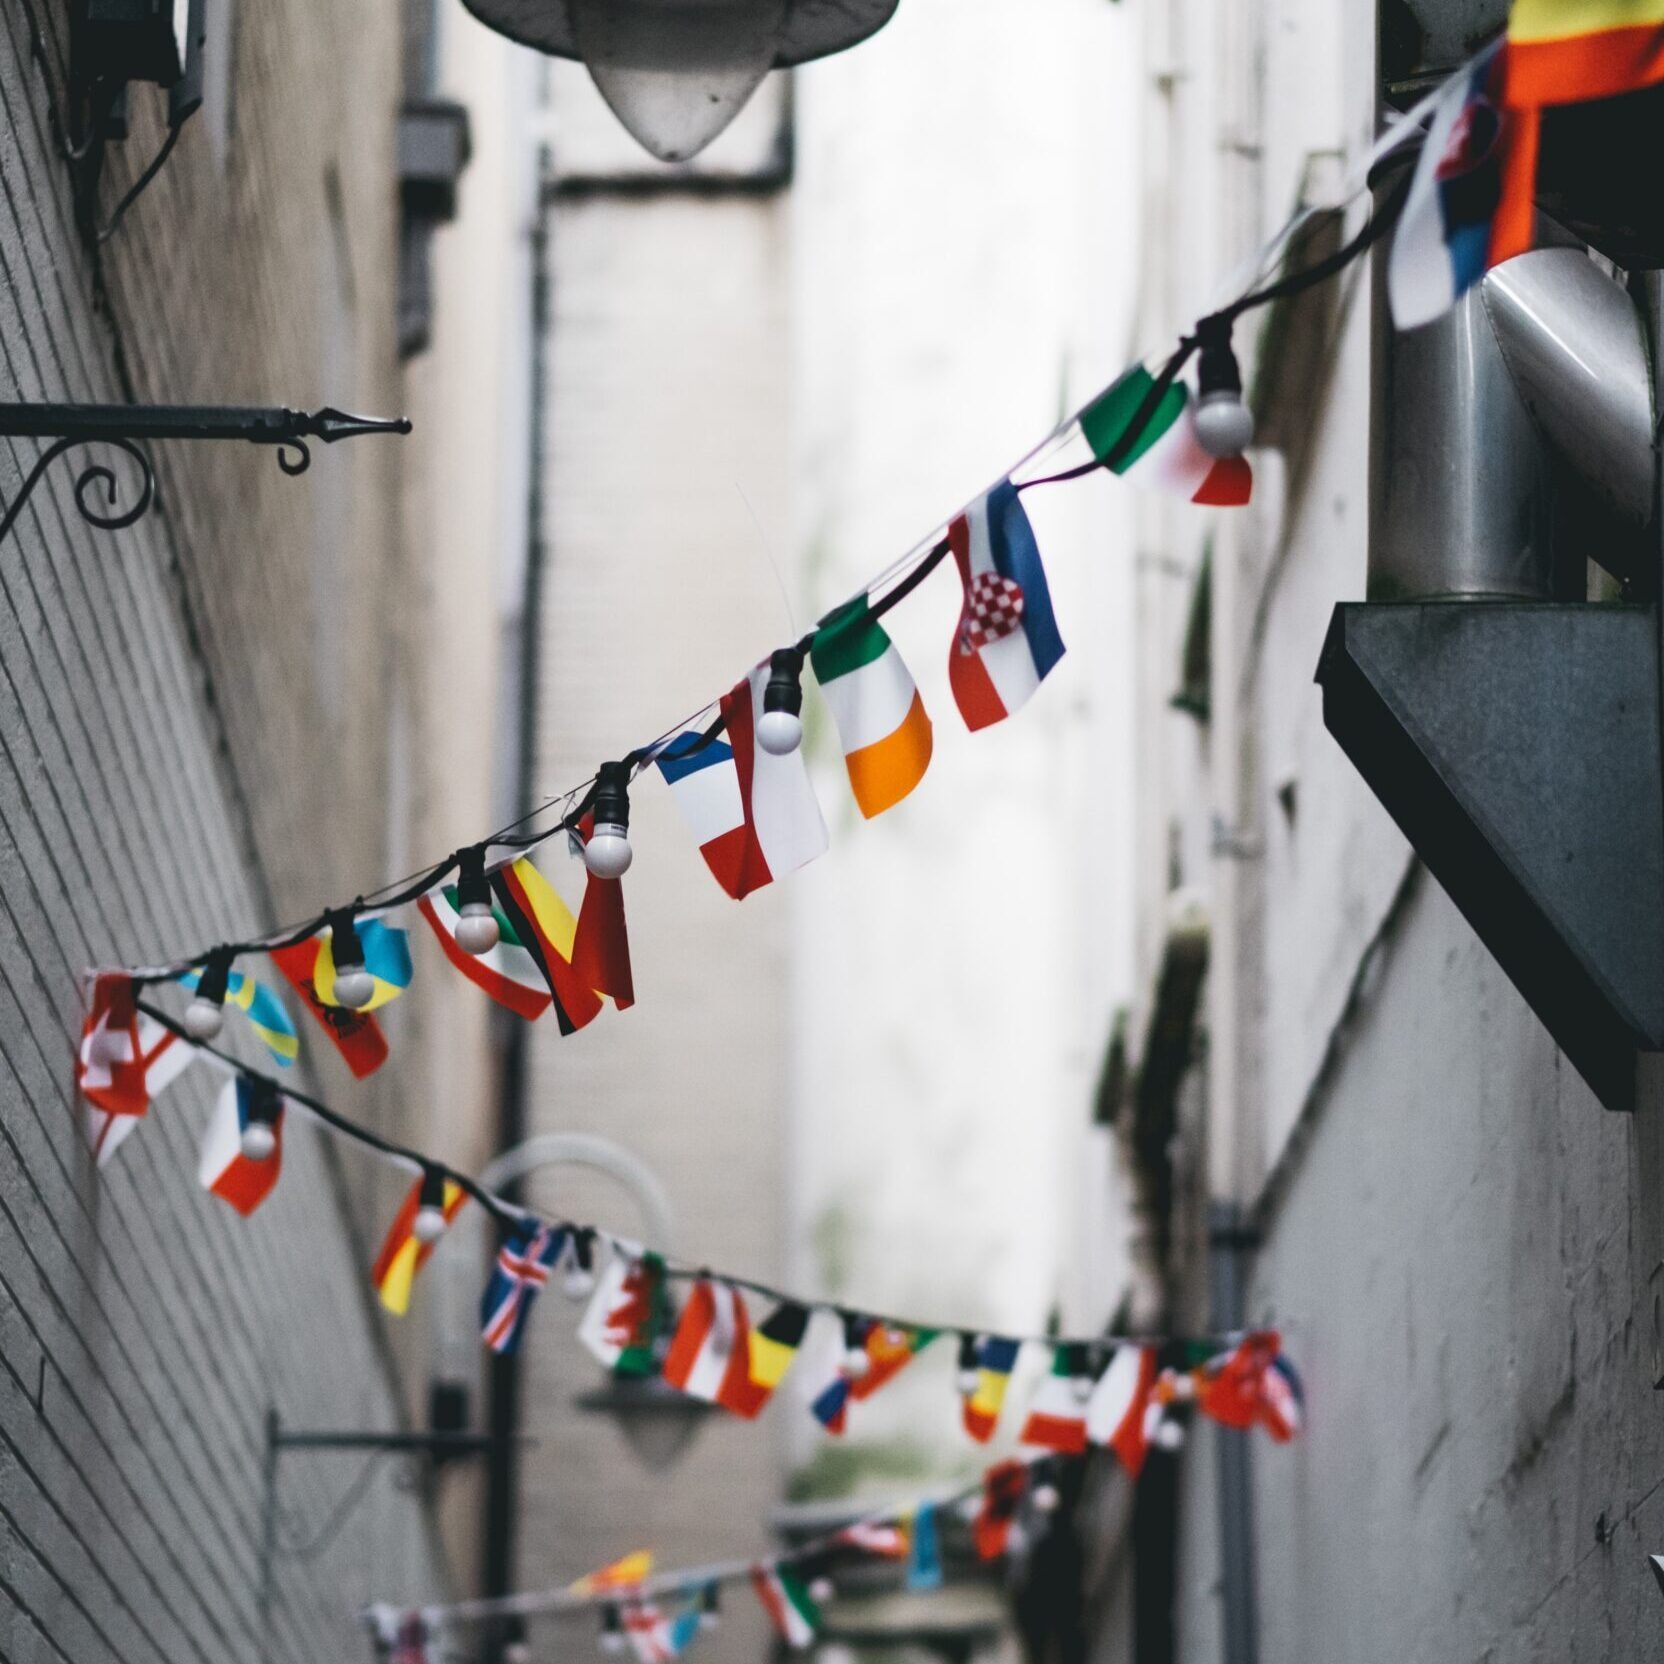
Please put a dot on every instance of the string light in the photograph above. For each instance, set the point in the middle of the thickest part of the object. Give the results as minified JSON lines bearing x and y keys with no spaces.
{"x":710,"y":1606}
{"x":259,"y":1135}
{"x":969,"y":1374}
{"x":780,"y":727}
{"x":857,"y":1361}
{"x":205,"y":1015}
{"x":354,"y":986}
{"x":578,"y":1280}
{"x":476,"y":931}
{"x":1224,"y":424}
{"x":608,"y":853}
{"x":612,"y":1630}
{"x":429,"y":1223}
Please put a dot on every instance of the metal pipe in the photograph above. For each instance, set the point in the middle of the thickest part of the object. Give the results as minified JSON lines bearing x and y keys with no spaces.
{"x":1228,"y":1241}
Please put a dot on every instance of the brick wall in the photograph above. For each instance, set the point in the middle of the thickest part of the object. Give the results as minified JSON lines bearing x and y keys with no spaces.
{"x":194,"y":733}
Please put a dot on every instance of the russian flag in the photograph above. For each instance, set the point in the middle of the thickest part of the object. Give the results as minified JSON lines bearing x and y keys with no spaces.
{"x":1007,"y":641}
{"x":223,"y":1168}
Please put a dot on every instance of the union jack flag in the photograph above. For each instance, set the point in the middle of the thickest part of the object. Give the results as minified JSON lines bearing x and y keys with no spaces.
{"x":523,"y":1265}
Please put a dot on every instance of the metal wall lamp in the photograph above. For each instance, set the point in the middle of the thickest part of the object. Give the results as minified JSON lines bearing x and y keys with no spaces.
{"x":128,"y":427}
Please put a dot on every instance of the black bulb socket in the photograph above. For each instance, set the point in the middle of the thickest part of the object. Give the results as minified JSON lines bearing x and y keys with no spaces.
{"x":784,"y":688}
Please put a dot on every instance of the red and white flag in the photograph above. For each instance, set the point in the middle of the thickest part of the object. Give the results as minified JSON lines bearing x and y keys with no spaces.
{"x":710,"y":1353}
{"x":1118,"y":1414}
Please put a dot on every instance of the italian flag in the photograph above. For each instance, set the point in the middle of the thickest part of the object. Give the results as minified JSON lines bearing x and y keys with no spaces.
{"x":881,"y":720}
{"x":1167,"y":453}
{"x":508,"y":973}
{"x":794,"y":1615}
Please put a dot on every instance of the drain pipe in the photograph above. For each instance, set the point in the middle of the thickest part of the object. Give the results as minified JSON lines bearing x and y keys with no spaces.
{"x":1230,"y":1241}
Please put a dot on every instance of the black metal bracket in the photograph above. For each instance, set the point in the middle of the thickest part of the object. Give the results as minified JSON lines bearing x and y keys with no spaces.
{"x":128,"y":428}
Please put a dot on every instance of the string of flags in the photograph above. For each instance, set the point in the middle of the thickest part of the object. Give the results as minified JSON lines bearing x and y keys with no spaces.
{"x":657,"y":1615}
{"x":536,"y":935}
{"x":550,"y":933}
{"x":728,"y":1341}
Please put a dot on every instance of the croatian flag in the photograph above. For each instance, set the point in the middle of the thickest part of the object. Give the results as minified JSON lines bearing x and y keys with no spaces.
{"x":223,"y":1168}
{"x":754,"y":815}
{"x":1450,"y":233}
{"x":524,"y":1263}
{"x":1007,"y":642}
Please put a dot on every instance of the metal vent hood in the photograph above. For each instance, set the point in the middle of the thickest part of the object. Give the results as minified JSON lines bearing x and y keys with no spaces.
{"x":1511,"y":727}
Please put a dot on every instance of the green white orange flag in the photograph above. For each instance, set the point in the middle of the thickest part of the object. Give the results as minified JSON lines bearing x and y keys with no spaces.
{"x":881,"y":720}
{"x":787,"y":1602}
{"x":1166,"y":454}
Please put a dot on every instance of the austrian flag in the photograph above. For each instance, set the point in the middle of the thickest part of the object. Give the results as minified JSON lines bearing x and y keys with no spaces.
{"x":710,"y":1354}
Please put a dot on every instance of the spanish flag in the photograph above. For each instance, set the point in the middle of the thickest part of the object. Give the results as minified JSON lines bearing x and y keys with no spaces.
{"x":402,"y":1256}
{"x":1570,"y":51}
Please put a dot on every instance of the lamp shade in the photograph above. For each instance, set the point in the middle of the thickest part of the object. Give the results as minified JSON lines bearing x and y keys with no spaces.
{"x":676,"y":72}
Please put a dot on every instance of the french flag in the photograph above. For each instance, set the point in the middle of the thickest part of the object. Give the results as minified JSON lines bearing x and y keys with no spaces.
{"x":1007,"y":642}
{"x":223,"y":1168}
{"x":754,"y":815}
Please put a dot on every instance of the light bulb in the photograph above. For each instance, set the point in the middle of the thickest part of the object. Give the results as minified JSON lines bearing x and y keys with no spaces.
{"x":258,"y":1141}
{"x":1081,"y":1388}
{"x":822,"y":1590}
{"x":354,"y":987}
{"x":204,"y":1019}
{"x":476,"y":928}
{"x":969,"y":1380}
{"x":780,"y":727}
{"x":517,"y":1652}
{"x":579,"y":1282}
{"x":608,"y":853}
{"x":1224,"y":426}
{"x":1045,"y":1499}
{"x":1169,"y":1436}
{"x":857,"y":1363}
{"x":429,"y":1224}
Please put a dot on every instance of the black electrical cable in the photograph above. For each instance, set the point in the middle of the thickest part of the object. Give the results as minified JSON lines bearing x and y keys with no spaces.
{"x":142,"y":183}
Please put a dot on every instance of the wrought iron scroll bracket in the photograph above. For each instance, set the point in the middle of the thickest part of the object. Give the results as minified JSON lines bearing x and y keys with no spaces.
{"x":127,"y":428}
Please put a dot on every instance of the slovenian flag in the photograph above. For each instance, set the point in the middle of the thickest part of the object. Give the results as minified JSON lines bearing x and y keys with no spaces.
{"x":792,"y":1612}
{"x":543,"y":924}
{"x":991,"y":1359}
{"x":710,"y":1353}
{"x":881,"y":720}
{"x":263,"y":1009}
{"x":1006,"y":642}
{"x":508,"y":973}
{"x":310,"y":968}
{"x":223,"y":1168}
{"x":773,"y":1345}
{"x":402,"y":1256}
{"x":1166,"y":454}
{"x":1121,"y":1411}
{"x":1470,"y":201}
{"x":1057,"y":1417}
{"x":528,"y":1256}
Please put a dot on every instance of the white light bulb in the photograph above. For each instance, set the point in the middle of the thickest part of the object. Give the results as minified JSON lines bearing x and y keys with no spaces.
{"x":608,"y":853}
{"x":516,"y":1652}
{"x":354,"y":987}
{"x":1224,"y":426}
{"x":612,"y":1641}
{"x":476,"y":928}
{"x":1081,"y":1388}
{"x":822,"y":1590}
{"x":969,"y":1381}
{"x":204,"y":1019}
{"x":579,"y":1282}
{"x":429,"y":1224}
{"x":1046,"y":1499}
{"x":856,"y":1363}
{"x":779,"y":733}
{"x":1169,"y":1436}
{"x":259,"y":1141}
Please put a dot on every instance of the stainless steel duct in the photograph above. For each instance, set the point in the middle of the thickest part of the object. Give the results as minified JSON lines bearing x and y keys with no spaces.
{"x":1538,"y":381}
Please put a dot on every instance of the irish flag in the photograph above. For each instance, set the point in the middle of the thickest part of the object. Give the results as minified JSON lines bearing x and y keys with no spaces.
{"x":1166,"y":454}
{"x":881,"y":719}
{"x":508,"y":973}
{"x":795,"y":1616}
{"x":710,"y":1353}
